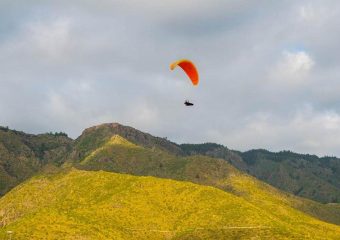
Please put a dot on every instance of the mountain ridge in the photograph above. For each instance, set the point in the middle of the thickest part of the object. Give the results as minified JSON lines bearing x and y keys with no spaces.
{"x":181,"y":158}
{"x":197,"y":169}
{"x":284,"y":174}
{"x":305,"y":175}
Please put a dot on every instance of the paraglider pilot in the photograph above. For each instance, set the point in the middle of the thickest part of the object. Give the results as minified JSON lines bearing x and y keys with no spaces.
{"x":187,"y":103}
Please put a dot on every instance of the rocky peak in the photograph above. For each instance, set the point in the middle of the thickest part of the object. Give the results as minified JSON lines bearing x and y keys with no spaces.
{"x":96,"y":136}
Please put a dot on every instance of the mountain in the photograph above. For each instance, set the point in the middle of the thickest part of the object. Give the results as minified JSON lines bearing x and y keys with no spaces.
{"x":304,"y":175}
{"x":308,"y":176}
{"x":301,"y":174}
{"x":22,"y":155}
{"x":121,"y":149}
{"x":76,"y":204}
{"x":117,"y":154}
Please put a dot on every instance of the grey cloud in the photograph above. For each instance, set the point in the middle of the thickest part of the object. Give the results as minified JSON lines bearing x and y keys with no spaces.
{"x":67,"y":65}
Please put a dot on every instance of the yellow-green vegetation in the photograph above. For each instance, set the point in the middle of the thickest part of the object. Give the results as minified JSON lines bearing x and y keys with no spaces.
{"x":100,"y":205}
{"x":119,"y":155}
{"x":116,"y":140}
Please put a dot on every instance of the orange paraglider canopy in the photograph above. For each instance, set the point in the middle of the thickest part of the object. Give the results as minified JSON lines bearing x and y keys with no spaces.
{"x":189,"y":68}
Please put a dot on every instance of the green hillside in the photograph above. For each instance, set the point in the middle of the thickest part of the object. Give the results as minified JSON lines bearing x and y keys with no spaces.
{"x":119,"y":155}
{"x":301,"y":174}
{"x":22,"y":155}
{"x":101,"y":205}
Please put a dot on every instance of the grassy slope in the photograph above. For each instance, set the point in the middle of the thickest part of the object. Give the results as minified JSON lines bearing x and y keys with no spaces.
{"x":119,"y":155}
{"x":102,"y":205}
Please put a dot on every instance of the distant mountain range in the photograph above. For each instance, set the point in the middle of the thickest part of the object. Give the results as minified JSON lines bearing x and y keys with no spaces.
{"x":301,"y":174}
{"x":121,"y":149}
{"x":309,"y":176}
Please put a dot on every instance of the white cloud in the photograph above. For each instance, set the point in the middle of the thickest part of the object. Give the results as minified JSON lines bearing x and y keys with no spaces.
{"x":297,"y":63}
{"x":293,"y":68}
{"x":307,"y":13}
{"x":317,"y":13}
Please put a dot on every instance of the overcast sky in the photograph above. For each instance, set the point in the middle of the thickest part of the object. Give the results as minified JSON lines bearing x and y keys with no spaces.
{"x":270,"y":70}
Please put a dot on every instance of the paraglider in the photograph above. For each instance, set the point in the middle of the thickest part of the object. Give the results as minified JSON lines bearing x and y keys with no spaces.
{"x":189,"y":68}
{"x":191,"y":71}
{"x":187,"y":103}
